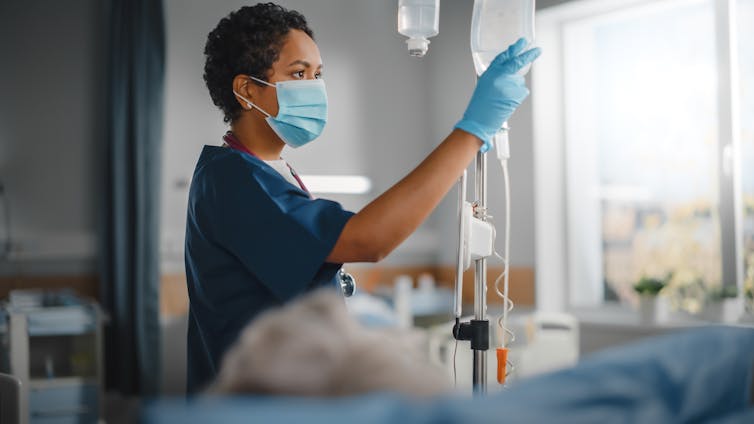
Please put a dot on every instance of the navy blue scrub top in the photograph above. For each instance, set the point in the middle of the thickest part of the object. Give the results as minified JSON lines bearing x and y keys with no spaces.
{"x":253,"y":241}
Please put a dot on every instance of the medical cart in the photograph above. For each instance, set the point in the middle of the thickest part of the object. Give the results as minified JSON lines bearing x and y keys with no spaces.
{"x":52,"y":342}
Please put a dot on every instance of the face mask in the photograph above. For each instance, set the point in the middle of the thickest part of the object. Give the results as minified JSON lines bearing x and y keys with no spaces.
{"x":302,"y":110}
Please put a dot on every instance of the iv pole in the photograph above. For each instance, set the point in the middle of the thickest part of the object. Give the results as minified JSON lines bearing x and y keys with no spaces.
{"x":479,"y":379}
{"x":476,"y":331}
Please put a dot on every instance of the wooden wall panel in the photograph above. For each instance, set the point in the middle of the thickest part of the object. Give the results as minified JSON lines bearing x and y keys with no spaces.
{"x":174,"y":296}
{"x":520,"y":284}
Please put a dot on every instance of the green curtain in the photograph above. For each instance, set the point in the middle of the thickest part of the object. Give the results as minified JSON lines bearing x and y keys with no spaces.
{"x":130,"y":265}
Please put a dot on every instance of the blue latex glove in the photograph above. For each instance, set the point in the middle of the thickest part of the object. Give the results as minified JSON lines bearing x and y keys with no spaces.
{"x":499,"y":91}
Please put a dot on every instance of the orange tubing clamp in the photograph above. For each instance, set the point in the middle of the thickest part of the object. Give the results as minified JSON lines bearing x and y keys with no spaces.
{"x":502,"y":364}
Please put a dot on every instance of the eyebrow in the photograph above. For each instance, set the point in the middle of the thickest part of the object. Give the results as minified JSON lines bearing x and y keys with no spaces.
{"x":303,"y":62}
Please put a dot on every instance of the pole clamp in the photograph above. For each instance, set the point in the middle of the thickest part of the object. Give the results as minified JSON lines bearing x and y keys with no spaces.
{"x":476,"y":331}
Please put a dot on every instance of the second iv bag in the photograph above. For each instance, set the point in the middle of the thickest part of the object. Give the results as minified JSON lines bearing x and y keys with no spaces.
{"x":418,"y":20}
{"x":495,"y":25}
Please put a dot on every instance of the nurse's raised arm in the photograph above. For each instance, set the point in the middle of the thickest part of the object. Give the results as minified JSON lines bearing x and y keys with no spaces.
{"x":386,"y":222}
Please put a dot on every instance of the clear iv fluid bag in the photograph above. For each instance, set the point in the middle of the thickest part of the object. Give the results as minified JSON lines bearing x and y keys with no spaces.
{"x":495,"y":25}
{"x":418,"y":20}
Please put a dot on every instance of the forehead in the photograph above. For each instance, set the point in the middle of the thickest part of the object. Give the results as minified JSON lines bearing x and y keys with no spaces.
{"x":299,"y":46}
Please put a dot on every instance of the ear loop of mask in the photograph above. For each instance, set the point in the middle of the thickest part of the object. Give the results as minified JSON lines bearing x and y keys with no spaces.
{"x":249,"y":104}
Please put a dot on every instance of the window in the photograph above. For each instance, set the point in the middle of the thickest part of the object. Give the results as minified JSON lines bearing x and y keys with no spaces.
{"x":636,"y":112}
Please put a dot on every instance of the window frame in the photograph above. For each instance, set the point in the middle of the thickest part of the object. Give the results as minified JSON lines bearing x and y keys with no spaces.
{"x":554,"y":270}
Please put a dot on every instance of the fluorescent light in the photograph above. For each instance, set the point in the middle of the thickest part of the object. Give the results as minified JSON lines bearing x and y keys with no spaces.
{"x":337,"y":184}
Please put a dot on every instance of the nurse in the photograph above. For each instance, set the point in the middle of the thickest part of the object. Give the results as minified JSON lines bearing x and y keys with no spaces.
{"x":255,"y":237}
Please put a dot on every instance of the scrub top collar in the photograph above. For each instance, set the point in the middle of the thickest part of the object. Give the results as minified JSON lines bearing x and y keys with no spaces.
{"x":232,"y":142}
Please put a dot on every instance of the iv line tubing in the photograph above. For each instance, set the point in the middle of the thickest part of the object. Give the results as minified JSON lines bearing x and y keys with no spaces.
{"x":507,"y":336}
{"x":507,"y":304}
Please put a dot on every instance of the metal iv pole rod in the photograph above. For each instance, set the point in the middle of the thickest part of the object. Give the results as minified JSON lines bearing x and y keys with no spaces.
{"x":478,"y":330}
{"x":479,"y":378}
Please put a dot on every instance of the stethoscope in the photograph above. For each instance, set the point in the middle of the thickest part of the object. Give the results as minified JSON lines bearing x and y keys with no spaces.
{"x":347,"y":282}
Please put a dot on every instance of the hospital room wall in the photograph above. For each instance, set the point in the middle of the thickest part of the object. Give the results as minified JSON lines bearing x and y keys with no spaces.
{"x":387,"y":112}
{"x":51,"y":125}
{"x":379,"y":115}
{"x":541,"y":4}
{"x":380,"y":97}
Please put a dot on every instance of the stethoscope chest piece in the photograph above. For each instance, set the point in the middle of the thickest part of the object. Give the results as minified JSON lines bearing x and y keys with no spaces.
{"x":347,"y":283}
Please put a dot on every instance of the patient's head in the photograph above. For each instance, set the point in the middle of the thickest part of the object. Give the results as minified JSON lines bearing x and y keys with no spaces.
{"x":312,"y":347}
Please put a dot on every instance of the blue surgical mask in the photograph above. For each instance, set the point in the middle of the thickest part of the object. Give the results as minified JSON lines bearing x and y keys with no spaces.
{"x":302,"y":110}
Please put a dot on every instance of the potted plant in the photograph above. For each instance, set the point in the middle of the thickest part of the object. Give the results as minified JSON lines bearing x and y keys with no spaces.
{"x":748,"y":302}
{"x":723,"y":304}
{"x":749,"y":289}
{"x":652,"y":307}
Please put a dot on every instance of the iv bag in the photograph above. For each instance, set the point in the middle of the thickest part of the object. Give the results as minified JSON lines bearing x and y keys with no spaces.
{"x":418,"y":20}
{"x":495,"y":25}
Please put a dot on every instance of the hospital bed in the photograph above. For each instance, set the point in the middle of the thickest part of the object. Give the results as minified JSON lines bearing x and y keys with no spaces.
{"x":702,"y":375}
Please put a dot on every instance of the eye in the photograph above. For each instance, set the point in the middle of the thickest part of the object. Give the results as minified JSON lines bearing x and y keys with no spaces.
{"x":318,"y":75}
{"x":299,"y":74}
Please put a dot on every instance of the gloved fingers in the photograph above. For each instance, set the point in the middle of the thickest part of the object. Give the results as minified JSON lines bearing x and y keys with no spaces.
{"x":512,"y":51}
{"x":518,"y":62}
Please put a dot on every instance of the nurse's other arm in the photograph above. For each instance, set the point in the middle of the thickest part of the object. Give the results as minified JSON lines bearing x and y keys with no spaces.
{"x":386,"y":222}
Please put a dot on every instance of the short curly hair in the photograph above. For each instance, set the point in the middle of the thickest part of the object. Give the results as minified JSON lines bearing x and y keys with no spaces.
{"x":247,"y":41}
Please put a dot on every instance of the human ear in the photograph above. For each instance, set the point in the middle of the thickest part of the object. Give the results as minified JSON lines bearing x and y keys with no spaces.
{"x":242,"y":88}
